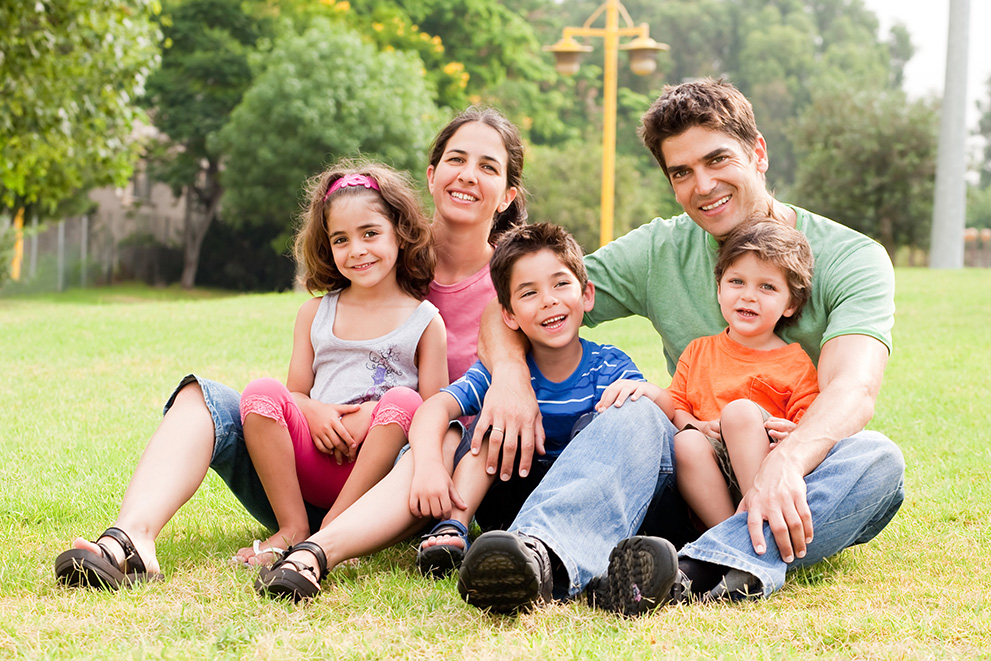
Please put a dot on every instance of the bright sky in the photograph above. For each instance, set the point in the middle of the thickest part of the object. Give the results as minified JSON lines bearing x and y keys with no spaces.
{"x":928,"y":22}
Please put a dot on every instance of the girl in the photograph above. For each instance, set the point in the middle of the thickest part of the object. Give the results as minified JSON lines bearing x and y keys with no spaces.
{"x":475,"y":179}
{"x":357,"y":354}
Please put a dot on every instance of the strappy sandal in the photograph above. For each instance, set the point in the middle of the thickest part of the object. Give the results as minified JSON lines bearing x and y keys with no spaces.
{"x":78,"y":567}
{"x":284,"y":583}
{"x":441,"y":559}
{"x":256,"y":547}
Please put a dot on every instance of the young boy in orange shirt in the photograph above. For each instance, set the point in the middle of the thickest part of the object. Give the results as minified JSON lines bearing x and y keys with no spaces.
{"x":727,"y":386}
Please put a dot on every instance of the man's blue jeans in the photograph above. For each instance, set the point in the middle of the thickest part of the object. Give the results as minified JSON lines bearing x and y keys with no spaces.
{"x":599,"y":489}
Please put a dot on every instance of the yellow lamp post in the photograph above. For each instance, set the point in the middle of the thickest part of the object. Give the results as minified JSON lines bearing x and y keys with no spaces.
{"x":643,"y":60}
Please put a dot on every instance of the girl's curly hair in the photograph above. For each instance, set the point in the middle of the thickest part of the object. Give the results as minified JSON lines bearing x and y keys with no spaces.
{"x":397,"y":200}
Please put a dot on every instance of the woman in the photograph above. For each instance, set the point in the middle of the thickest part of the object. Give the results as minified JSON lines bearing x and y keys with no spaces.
{"x":475,"y":178}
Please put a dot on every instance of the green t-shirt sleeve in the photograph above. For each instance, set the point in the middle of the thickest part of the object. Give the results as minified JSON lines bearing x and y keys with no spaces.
{"x":857,"y":287}
{"x":620,"y":272}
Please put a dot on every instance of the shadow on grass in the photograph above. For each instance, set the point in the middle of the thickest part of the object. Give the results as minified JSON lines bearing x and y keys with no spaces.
{"x":822,"y":571}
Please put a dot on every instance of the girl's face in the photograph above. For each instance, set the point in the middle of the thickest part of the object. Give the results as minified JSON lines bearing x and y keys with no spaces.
{"x":363,"y":240}
{"x":468,"y":183}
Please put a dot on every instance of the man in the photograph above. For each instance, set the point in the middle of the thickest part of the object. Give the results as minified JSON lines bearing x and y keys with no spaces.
{"x":827,"y":485}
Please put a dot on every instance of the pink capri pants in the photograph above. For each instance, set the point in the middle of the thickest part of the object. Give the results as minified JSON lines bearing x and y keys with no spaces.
{"x":320,"y":478}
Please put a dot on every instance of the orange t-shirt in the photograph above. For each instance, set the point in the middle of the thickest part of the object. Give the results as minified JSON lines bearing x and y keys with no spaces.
{"x":713,"y":371}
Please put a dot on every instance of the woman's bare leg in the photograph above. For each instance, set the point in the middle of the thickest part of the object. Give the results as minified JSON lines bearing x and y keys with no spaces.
{"x":379,"y":518}
{"x":170,"y":470}
{"x":376,"y":459}
{"x":472,"y":483}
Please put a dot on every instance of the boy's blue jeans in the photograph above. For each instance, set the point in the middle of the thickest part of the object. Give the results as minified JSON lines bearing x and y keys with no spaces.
{"x":599,"y":489}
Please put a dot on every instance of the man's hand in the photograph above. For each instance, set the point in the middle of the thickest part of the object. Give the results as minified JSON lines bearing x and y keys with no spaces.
{"x":510,"y":409}
{"x":850,"y":372}
{"x":778,"y":496}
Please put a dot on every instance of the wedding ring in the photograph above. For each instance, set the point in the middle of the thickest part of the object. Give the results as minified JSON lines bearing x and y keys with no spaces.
{"x":499,"y":429}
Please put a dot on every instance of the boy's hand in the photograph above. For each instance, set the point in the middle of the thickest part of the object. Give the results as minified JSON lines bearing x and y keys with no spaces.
{"x":328,"y":432}
{"x":779,"y":429}
{"x":432,"y":493}
{"x":709,"y":428}
{"x":619,"y":391}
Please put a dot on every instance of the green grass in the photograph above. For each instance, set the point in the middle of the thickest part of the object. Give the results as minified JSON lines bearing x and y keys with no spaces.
{"x":84,"y":378}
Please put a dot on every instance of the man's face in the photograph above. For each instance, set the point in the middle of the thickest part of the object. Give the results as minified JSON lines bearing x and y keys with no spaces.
{"x":717,"y":180}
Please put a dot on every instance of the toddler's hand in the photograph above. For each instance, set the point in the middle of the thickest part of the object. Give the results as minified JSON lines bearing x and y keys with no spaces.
{"x":779,"y":429}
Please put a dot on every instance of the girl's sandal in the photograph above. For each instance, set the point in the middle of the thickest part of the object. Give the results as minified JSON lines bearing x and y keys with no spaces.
{"x":283,"y":582}
{"x":441,"y":559}
{"x":79,"y":567}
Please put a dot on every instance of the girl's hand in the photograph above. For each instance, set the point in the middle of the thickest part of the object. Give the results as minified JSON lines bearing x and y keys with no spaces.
{"x":329,"y":434}
{"x":619,"y":391}
{"x":779,"y":429}
{"x":432,"y":493}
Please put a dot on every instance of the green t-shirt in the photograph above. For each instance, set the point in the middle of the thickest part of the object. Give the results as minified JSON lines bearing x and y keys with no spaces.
{"x":663,"y":271}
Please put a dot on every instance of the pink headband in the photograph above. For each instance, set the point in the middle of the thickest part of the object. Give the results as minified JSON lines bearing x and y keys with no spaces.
{"x":351,"y":180}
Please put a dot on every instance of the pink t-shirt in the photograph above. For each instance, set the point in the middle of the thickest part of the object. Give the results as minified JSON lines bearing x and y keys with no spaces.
{"x":461,"y":306}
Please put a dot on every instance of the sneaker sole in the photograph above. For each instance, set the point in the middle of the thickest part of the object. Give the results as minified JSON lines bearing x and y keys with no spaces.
{"x":498,"y":573}
{"x":642,"y":571}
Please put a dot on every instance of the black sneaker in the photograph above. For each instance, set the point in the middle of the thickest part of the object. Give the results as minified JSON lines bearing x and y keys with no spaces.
{"x":736,"y":585}
{"x":643,"y":574}
{"x":506,"y":572}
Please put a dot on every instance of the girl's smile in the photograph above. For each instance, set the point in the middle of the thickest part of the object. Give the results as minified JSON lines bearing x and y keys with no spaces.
{"x":363,"y":240}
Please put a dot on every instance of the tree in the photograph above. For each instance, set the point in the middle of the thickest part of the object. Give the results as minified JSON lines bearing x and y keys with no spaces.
{"x":867,"y":159}
{"x":321,"y":95}
{"x":563,"y":189}
{"x":203,"y":76}
{"x":984,"y":132}
{"x":69,"y":73}
{"x":979,"y":195}
{"x":476,"y":51}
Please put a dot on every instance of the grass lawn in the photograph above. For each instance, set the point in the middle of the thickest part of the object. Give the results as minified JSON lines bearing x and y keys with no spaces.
{"x":84,"y":376}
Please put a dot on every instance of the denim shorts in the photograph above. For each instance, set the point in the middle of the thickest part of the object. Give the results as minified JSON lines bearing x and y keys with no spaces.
{"x":230,"y":458}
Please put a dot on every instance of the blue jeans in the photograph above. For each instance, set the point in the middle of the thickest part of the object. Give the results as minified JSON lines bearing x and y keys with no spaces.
{"x":598,"y":491}
{"x":230,"y":458}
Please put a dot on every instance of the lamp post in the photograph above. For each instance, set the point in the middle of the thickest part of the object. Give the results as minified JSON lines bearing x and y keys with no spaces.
{"x":643,"y":60}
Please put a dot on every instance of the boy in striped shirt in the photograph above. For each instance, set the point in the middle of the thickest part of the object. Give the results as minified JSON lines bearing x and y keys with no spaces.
{"x":544,"y":291}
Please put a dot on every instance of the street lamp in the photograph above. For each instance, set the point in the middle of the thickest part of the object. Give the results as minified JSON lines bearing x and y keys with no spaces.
{"x":643,"y":60}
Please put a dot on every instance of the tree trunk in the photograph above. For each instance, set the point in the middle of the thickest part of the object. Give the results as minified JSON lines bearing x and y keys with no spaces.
{"x":886,"y":235}
{"x":201,"y":209}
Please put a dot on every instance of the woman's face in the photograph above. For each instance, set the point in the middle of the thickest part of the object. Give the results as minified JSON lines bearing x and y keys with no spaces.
{"x":468,"y":184}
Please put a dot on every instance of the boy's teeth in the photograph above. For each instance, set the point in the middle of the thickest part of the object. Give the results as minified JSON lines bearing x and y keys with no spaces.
{"x":553,"y":320}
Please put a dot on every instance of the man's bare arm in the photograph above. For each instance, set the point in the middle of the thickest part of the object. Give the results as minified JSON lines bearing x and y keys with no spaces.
{"x":510,"y":407}
{"x":851,"y":368}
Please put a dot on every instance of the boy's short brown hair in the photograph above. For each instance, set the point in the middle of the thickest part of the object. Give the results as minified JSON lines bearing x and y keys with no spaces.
{"x":528,"y":239}
{"x":772,"y":241}
{"x":711,"y":103}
